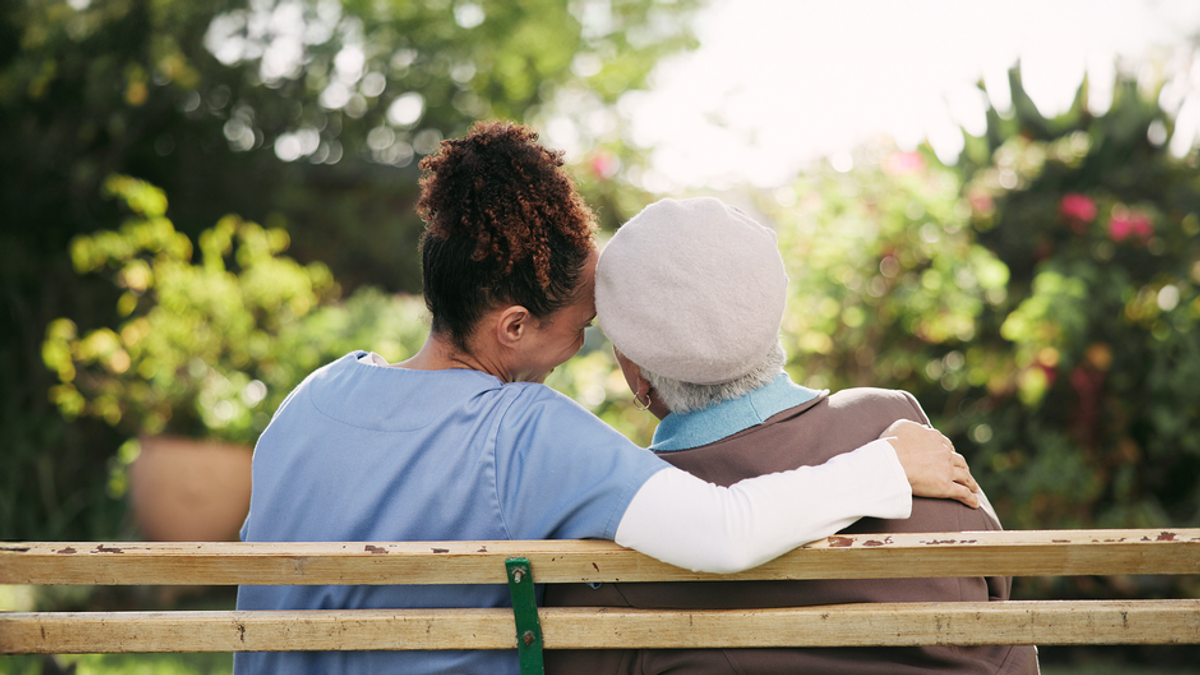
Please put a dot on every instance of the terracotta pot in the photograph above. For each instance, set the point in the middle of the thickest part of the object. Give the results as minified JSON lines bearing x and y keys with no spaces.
{"x":183,"y":489}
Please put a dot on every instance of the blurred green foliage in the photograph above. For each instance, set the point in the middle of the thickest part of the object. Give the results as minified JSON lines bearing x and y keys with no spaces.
{"x":208,"y":348}
{"x":119,"y":664}
{"x":1040,"y":299}
{"x":195,"y":337}
{"x":1098,"y":224}
{"x":315,"y":111}
{"x":308,"y":116}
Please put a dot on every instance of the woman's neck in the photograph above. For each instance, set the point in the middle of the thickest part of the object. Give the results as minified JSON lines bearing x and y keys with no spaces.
{"x":440,"y":353}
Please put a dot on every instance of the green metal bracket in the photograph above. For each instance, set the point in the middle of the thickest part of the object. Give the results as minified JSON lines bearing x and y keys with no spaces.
{"x":524,"y":602}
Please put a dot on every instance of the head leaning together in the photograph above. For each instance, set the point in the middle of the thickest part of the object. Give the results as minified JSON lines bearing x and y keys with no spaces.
{"x":508,"y":255}
{"x":693,"y":292}
{"x":508,"y":249}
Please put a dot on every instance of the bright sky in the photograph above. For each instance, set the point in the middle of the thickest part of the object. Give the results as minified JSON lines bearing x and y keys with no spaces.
{"x":778,"y":83}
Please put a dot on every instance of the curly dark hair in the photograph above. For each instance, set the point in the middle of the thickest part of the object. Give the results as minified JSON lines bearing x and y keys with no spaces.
{"x":504,"y":224}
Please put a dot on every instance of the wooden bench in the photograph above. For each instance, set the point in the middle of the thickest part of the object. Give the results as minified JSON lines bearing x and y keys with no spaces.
{"x":1013,"y":553}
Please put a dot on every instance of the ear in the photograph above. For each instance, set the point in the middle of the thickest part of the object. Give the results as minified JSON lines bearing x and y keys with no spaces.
{"x":637,"y":382}
{"x":657,"y":407}
{"x":512,"y":324}
{"x":642,"y":385}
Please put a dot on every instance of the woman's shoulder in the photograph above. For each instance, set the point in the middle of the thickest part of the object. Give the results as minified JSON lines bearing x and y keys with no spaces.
{"x":534,"y":397}
{"x":542,"y":415}
{"x":894,"y":402}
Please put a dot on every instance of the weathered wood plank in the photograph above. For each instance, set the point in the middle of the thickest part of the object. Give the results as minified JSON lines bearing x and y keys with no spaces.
{"x":1011,"y":553}
{"x":902,"y":624}
{"x":884,"y":624}
{"x":227,"y":631}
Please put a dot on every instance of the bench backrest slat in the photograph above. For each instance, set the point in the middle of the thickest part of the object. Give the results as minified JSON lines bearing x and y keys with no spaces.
{"x":1012,"y":553}
{"x":901,"y":624}
{"x":1015,"y":553}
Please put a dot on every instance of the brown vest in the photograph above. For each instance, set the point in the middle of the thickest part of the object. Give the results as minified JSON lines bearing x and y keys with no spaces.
{"x":806,"y":435}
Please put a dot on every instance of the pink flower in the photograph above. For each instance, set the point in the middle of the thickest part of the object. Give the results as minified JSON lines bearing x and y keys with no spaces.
{"x":605,"y":164}
{"x":899,"y":163}
{"x":1125,"y":223}
{"x":1078,"y":210}
{"x":981,"y":202}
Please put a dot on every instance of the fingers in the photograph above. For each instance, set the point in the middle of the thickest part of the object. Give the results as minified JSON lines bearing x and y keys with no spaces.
{"x":933,"y":467}
{"x":964,"y":495}
{"x":962,"y":472}
{"x":956,"y":483}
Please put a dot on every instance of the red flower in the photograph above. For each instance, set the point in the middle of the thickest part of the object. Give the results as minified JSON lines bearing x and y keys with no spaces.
{"x":1050,"y":372}
{"x":1088,"y":384}
{"x":1078,"y":210}
{"x":1126,"y":223}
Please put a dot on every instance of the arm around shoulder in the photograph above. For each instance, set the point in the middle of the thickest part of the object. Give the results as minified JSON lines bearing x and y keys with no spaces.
{"x":687,"y":522}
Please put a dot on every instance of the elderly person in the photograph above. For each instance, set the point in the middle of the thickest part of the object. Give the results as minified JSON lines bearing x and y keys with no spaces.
{"x":692,"y":294}
{"x":463,"y":442}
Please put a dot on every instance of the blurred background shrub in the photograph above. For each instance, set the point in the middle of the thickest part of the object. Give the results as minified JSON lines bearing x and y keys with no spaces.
{"x":307,"y":117}
{"x":209,"y":348}
{"x":196,"y":339}
{"x":1039,"y":297}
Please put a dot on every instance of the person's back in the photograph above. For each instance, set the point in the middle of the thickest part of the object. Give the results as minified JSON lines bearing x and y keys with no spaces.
{"x":807,"y":434}
{"x":362,"y":452}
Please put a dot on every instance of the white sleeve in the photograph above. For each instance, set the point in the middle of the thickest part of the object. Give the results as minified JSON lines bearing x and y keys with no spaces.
{"x":687,"y":522}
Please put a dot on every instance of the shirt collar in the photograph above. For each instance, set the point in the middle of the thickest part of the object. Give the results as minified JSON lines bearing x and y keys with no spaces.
{"x":711,"y":424}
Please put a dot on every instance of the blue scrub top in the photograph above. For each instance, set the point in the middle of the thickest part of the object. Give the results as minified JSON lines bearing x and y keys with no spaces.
{"x":360,"y":452}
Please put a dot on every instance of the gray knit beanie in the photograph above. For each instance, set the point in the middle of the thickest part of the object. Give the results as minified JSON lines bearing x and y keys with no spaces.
{"x":693,"y":290}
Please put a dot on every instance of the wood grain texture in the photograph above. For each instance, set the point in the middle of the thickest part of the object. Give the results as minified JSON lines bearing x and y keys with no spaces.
{"x":1011,"y":553}
{"x":1053,"y":552}
{"x":900,"y":624}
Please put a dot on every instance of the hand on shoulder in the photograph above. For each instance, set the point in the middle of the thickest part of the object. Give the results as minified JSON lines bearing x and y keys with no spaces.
{"x":933,"y":468}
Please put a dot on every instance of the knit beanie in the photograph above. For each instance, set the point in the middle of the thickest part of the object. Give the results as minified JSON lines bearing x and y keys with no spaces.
{"x":693,"y":290}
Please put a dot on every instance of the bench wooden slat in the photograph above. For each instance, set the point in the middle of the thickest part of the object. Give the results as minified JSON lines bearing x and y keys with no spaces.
{"x":1086,"y":622}
{"x":1011,"y":553}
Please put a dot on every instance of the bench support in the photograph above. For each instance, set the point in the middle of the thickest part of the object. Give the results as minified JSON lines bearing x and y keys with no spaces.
{"x":524,"y":602}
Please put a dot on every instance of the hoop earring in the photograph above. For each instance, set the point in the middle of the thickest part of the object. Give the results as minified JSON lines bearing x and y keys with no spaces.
{"x":637,"y":402}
